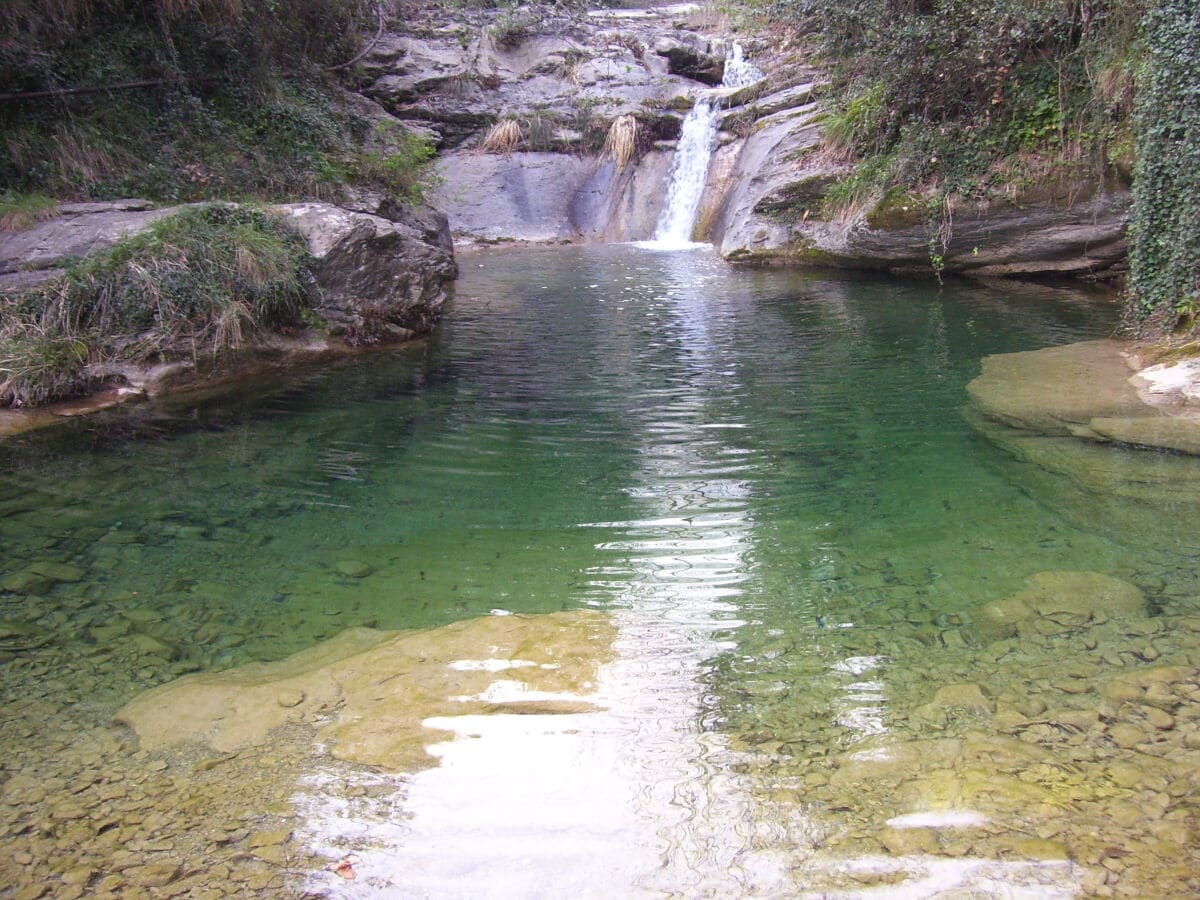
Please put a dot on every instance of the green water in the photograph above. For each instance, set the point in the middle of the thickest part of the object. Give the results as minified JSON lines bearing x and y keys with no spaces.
{"x":771,"y":465}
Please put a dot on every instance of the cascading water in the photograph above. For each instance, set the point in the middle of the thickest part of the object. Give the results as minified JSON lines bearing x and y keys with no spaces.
{"x":697,"y":137}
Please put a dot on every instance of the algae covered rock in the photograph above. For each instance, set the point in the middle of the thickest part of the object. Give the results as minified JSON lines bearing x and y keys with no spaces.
{"x":370,"y":692}
{"x":1077,"y":597}
{"x":1050,"y":390}
{"x":1167,"y":432}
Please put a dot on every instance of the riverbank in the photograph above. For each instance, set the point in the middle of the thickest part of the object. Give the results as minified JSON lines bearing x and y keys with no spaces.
{"x":115,"y":301}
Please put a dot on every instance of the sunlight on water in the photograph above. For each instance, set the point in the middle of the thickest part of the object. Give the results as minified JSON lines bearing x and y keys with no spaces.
{"x":762,"y":488}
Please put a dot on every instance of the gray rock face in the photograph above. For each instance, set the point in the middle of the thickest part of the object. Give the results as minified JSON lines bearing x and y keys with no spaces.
{"x":520,"y":196}
{"x":548,"y":197}
{"x":691,"y":56}
{"x":29,"y":257}
{"x":772,"y":213}
{"x":390,"y":266}
{"x":564,"y":83}
{"x":376,"y":276}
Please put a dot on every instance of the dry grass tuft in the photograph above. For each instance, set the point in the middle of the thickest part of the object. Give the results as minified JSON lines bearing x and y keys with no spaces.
{"x":503,"y":137}
{"x":621,"y":142}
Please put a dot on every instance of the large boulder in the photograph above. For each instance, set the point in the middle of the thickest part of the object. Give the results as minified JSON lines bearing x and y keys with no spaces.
{"x":774,"y":211}
{"x":1058,"y":390}
{"x":690,"y":56}
{"x":377,"y":277}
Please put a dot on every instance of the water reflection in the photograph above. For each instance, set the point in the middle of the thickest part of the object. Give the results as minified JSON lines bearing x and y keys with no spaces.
{"x":761,"y":481}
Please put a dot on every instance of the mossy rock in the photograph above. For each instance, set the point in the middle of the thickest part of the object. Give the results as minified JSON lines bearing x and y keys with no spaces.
{"x":798,"y":200}
{"x":897,"y":210}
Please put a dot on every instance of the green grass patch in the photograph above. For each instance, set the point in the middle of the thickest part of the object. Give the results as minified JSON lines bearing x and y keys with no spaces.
{"x":198,"y":282}
{"x":20,"y":211}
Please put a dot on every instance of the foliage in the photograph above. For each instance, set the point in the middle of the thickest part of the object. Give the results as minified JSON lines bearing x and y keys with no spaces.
{"x":1164,"y":261}
{"x":403,"y":167}
{"x":964,"y":98}
{"x":237,"y":103}
{"x":196,"y":281}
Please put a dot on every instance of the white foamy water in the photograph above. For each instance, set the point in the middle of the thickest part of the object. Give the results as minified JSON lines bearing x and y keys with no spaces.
{"x":689,"y":172}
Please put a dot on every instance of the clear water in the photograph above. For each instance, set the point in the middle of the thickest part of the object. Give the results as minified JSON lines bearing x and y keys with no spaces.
{"x":764,"y":477}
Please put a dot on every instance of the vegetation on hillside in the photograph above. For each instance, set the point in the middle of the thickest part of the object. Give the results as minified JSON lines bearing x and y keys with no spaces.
{"x":941,"y":100}
{"x":202,"y":279}
{"x":1164,"y":260}
{"x":965,"y":98}
{"x":189,"y":99}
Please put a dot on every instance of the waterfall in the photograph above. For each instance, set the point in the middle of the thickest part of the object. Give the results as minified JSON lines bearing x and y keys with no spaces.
{"x":697,"y":139}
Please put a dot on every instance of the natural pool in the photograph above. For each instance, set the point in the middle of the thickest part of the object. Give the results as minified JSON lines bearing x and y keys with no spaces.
{"x":764,"y":528}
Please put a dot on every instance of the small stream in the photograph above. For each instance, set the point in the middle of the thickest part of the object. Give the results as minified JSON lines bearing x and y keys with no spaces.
{"x":759,"y":494}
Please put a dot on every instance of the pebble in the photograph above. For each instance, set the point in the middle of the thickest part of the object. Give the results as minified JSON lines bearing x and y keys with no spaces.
{"x":353,"y":568}
{"x":152,"y":875}
{"x":289,"y":698}
{"x":1161,"y":720}
{"x":1126,"y":736}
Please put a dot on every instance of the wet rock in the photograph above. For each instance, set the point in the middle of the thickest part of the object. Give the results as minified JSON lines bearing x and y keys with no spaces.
{"x":1039,"y":848}
{"x":78,"y":875}
{"x":1126,"y":736}
{"x":56,"y":571}
{"x":26,"y":582}
{"x":908,"y":841}
{"x":152,"y":875}
{"x":145,"y":644}
{"x":383,"y":686}
{"x":1083,"y":595}
{"x":353,"y":568}
{"x":269,"y":838}
{"x":289,"y":698}
{"x":1051,"y":390}
{"x":1164,"y":432}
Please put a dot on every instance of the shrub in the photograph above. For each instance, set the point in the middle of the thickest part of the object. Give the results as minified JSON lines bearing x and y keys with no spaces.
{"x":236,"y":104}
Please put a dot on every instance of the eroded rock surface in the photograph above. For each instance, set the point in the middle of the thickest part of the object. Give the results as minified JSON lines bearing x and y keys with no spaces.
{"x":370,"y":691}
{"x":1088,"y":390}
{"x":1075,"y":597}
{"x":374,"y":274}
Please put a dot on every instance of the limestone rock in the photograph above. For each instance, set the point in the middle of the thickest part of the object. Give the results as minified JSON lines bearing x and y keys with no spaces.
{"x":690,"y":56}
{"x":966,"y":697}
{"x":1168,"y":432}
{"x":57,"y":571}
{"x":353,"y":568}
{"x":1078,"y":596}
{"x":520,"y":196}
{"x":26,"y":582}
{"x":79,"y":230}
{"x":374,"y":275}
{"x":1049,"y":390}
{"x":384,"y":686}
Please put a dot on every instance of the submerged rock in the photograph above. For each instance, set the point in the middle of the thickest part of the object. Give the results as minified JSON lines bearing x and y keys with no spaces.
{"x":1073,"y":597}
{"x":371,"y":691}
{"x":1092,"y":390}
{"x":1058,"y":389}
